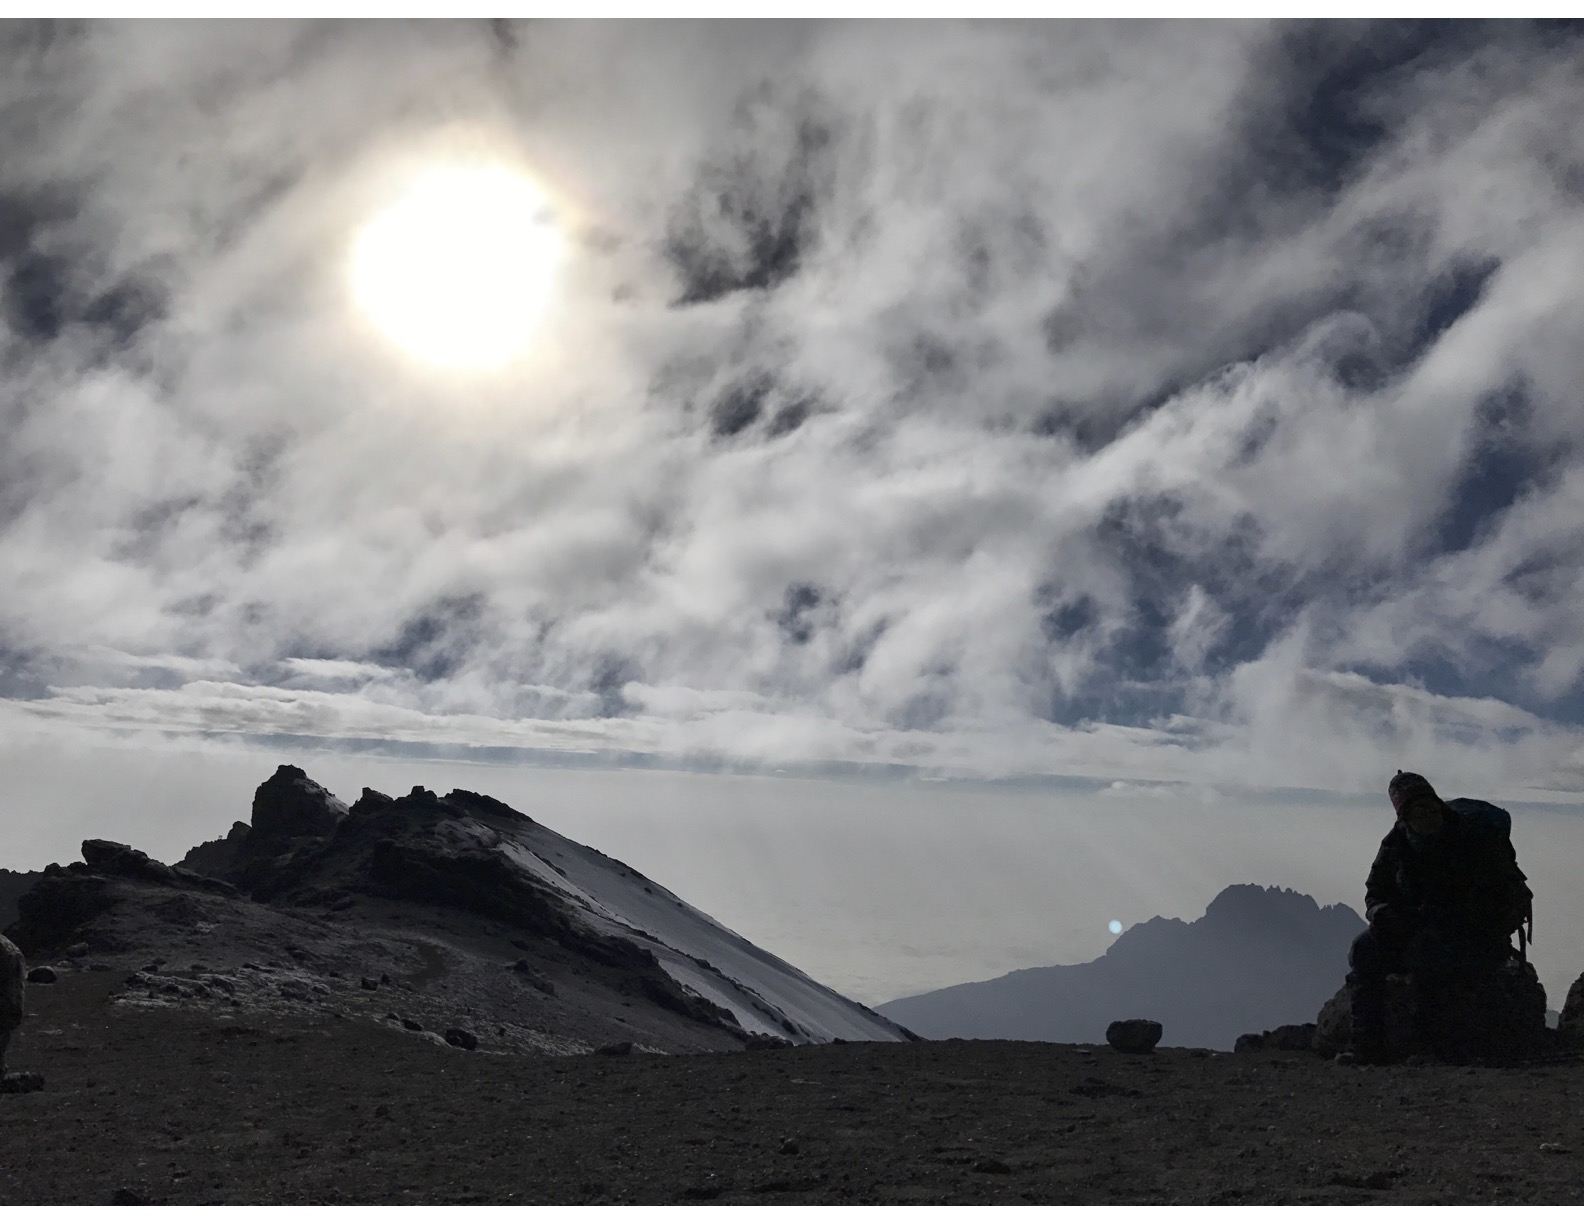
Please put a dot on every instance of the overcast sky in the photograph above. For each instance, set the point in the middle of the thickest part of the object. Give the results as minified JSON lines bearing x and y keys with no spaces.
{"x":1174,"y":410}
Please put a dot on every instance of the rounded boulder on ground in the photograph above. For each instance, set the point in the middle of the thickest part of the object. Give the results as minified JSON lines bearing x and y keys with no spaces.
{"x":1133,"y":1036}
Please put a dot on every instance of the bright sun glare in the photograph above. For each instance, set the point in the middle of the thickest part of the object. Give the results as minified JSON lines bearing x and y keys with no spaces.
{"x":458,"y":270}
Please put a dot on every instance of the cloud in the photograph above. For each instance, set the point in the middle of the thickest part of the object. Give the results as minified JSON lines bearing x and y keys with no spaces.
{"x":1195,"y":403}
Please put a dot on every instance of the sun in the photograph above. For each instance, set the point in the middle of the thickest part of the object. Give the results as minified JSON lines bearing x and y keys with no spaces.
{"x":458,"y":270}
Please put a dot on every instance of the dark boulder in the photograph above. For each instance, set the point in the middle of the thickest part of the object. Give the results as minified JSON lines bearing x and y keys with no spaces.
{"x":112,"y":858}
{"x":43,"y":975}
{"x":461,"y":1038}
{"x":1133,"y":1036}
{"x":616,"y":1049}
{"x":1490,"y":1017}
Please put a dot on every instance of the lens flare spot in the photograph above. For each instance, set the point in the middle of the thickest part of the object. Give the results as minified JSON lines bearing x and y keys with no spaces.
{"x":1114,"y":927}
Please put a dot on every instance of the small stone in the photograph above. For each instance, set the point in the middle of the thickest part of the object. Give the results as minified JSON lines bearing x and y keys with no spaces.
{"x":461,"y":1038}
{"x":43,"y":975}
{"x":370,"y":984}
{"x":1133,"y":1036}
{"x":18,"y":1082}
{"x":411,"y":1025}
{"x":991,"y":1165}
{"x":1555,"y":1149}
{"x":127,"y":1198}
{"x":616,"y":1048}
{"x":789,"y":1147}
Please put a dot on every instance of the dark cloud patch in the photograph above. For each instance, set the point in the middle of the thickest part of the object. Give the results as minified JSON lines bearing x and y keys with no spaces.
{"x":791,"y":414}
{"x":795,"y":617}
{"x":739,"y":406}
{"x":1502,"y":465}
{"x":1333,"y":73}
{"x":757,"y":398}
{"x":49,"y":283}
{"x":860,"y":645}
{"x":612,"y":673}
{"x":21,"y":675}
{"x":1064,"y":619}
{"x":749,"y":219}
{"x":436,"y":643}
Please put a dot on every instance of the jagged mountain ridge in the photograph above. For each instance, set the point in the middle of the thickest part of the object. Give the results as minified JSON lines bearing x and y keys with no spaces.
{"x":437,"y":896}
{"x":1258,"y":958}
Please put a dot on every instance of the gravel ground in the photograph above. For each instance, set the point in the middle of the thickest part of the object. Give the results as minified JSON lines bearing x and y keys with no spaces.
{"x":235,"y":1105}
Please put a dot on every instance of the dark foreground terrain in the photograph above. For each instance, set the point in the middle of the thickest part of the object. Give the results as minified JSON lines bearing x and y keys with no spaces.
{"x":190,"y":1105}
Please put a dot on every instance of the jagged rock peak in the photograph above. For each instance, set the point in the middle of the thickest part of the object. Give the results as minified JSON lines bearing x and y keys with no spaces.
{"x":370,"y":800}
{"x":289,"y":805}
{"x":1238,"y":902}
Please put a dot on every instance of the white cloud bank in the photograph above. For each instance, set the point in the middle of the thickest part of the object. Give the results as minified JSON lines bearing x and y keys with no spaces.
{"x":1185,"y":403}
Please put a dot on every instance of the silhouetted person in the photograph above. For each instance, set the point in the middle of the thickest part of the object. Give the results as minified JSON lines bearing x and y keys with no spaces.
{"x":12,"y":970}
{"x":1442,"y":900}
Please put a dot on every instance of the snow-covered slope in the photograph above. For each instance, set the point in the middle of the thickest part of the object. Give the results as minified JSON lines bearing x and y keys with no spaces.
{"x":766,"y":994}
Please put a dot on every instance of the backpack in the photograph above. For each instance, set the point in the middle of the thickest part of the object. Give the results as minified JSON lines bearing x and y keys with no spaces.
{"x":1498,"y":821}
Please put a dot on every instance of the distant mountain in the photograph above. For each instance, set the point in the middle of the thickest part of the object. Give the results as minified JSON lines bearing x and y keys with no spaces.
{"x":1258,"y":958}
{"x":487,"y":919}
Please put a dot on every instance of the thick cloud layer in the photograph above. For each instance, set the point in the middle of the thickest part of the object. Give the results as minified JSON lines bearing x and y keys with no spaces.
{"x":1191,"y":403}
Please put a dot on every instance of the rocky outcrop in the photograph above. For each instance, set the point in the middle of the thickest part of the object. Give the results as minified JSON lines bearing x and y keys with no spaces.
{"x":292,"y":815}
{"x":1294,"y":1038}
{"x":12,"y":885}
{"x":55,"y":914}
{"x":222,"y":858}
{"x":1492,"y":1017}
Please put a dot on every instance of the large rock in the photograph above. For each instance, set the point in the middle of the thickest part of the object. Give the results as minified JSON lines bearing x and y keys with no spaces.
{"x":112,"y":858}
{"x":291,"y":813}
{"x":12,"y":971}
{"x":1133,"y":1036}
{"x":1493,"y":1017}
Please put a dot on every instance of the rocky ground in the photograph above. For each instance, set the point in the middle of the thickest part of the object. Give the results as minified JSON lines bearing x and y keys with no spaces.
{"x":208,"y":1101}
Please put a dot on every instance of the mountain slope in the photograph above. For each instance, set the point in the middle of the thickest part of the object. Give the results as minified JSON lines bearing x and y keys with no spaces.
{"x":1258,"y":958}
{"x":485,"y":918}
